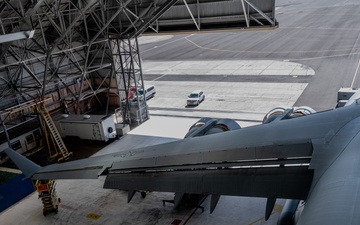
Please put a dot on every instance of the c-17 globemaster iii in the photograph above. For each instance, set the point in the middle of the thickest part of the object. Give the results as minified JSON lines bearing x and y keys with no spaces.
{"x":312,"y":156}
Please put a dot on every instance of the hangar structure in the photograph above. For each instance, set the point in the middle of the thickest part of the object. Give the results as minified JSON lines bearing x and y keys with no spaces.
{"x":82,"y":57}
{"x":78,"y":56}
{"x":61,"y":57}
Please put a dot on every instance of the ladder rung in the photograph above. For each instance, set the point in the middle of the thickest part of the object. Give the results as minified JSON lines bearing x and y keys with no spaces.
{"x":53,"y":131}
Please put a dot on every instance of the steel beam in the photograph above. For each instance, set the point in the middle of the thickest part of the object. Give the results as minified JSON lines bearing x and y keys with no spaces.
{"x":16,"y":36}
{"x":260,"y":12}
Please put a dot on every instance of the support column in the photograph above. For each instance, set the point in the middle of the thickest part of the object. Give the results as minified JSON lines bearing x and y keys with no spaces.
{"x":129,"y":79}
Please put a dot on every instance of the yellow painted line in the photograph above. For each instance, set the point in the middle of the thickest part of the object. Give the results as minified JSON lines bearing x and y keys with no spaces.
{"x":93,"y":216}
{"x":356,"y":72}
{"x":258,"y":220}
{"x":277,"y":209}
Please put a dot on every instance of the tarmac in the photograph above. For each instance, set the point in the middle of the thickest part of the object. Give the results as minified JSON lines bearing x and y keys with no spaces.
{"x":237,"y":95}
{"x":227,"y":68}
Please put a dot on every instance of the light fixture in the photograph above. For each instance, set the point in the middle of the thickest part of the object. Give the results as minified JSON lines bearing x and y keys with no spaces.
{"x":16,"y":36}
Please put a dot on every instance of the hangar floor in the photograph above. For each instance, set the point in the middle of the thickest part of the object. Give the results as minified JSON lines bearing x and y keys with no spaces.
{"x":86,"y":202}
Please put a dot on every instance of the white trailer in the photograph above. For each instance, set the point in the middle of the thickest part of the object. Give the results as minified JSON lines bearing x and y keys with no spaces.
{"x":344,"y":94}
{"x":88,"y":127}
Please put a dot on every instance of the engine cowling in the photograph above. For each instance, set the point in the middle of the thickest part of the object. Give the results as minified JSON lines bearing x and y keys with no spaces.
{"x":280,"y":113}
{"x":291,"y":212}
{"x":205,"y":126}
{"x":208,"y":126}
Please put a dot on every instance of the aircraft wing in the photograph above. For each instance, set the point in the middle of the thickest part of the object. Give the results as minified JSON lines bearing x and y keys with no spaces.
{"x":269,"y":160}
{"x":214,"y":164}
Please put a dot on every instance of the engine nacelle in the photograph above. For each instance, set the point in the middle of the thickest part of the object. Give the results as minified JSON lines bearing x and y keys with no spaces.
{"x":291,"y":212}
{"x":303,"y":111}
{"x":280,"y":113}
{"x":207,"y":126}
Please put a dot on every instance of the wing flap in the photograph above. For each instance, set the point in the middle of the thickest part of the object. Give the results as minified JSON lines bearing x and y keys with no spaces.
{"x":280,"y":153}
{"x":84,"y":173}
{"x":280,"y":182}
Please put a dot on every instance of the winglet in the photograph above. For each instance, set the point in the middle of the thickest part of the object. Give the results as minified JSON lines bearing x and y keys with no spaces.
{"x":24,"y":164}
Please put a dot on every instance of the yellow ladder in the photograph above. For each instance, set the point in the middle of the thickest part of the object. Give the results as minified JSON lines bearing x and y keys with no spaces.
{"x":54,"y":134}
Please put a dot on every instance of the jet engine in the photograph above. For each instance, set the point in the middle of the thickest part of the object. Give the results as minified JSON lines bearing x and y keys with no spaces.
{"x":207,"y":126}
{"x":291,"y":212}
{"x":280,"y":113}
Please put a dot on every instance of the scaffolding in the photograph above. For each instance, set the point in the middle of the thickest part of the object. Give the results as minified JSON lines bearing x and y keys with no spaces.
{"x":55,"y":145}
{"x":129,"y":79}
{"x":57,"y":149}
{"x":47,"y":193}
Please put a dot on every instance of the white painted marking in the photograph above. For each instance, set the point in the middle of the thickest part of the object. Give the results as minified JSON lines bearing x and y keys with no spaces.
{"x":226,"y":67}
{"x":356,"y":72}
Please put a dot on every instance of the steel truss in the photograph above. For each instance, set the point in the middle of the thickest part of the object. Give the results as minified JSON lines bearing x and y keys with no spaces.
{"x":63,"y":49}
{"x":129,"y":79}
{"x":69,"y":57}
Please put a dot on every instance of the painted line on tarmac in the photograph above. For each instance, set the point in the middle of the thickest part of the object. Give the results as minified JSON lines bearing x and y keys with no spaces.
{"x":159,"y":77}
{"x":267,"y":52}
{"x":355,"y":75}
{"x":230,"y":78}
{"x":277,"y":209}
{"x":199,"y":117}
{"x":170,"y":42}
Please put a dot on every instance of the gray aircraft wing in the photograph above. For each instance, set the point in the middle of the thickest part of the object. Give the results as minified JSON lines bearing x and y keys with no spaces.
{"x":282,"y":159}
{"x":167,"y":167}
